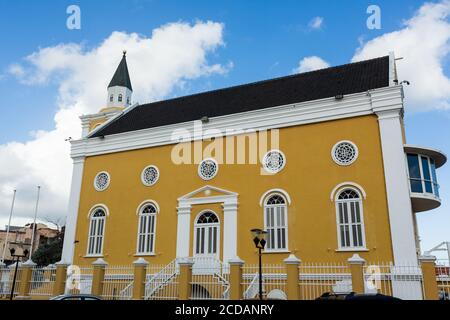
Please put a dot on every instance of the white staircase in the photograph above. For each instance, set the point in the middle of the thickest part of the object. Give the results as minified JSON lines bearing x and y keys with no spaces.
{"x":161,"y":279}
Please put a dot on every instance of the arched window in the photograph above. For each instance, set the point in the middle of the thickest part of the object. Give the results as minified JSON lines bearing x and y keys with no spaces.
{"x":96,"y":231}
{"x":206,"y":242}
{"x":349,"y":211}
{"x":120,"y":98}
{"x":275,"y":222}
{"x":111,"y":98}
{"x":128,"y":100}
{"x":146,"y":229}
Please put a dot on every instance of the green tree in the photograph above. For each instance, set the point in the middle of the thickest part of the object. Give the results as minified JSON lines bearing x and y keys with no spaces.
{"x":49,"y":252}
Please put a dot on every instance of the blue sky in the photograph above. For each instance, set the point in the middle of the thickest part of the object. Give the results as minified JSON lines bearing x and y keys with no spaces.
{"x":262,"y":39}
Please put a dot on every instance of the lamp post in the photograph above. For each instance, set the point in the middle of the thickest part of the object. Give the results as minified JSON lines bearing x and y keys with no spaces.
{"x":17,"y":256}
{"x":259,"y":239}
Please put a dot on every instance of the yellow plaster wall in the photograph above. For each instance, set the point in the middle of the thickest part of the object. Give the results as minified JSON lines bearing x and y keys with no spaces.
{"x":309,"y":177}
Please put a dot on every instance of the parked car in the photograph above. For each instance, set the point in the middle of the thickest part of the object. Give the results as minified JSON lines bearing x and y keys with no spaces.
{"x":356,"y":296}
{"x":84,"y":297}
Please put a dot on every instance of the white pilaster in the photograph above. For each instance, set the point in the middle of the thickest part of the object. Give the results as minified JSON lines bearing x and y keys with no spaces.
{"x":72,"y":212}
{"x":230,"y":229}
{"x":183,"y":230}
{"x":398,"y":196}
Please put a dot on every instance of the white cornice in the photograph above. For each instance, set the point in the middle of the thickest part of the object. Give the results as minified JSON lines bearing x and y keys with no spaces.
{"x":354,"y":105}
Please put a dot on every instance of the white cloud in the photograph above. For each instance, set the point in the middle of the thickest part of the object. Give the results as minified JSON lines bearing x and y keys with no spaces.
{"x":424,"y":43}
{"x":16,"y":70}
{"x":310,"y":64}
{"x":316,"y":23}
{"x":175,"y":53}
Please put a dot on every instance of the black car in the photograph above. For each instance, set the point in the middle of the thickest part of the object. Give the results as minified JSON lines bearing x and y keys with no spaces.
{"x":357,"y":296}
{"x":76,"y":297}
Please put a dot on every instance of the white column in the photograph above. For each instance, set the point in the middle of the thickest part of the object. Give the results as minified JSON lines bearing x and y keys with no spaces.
{"x":398,"y":196}
{"x":72,"y":212}
{"x":230,"y":229}
{"x":183,"y":229}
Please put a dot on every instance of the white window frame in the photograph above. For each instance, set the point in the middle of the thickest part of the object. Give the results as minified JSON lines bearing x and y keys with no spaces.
{"x":286,"y":227}
{"x":333,"y":155}
{"x":268,"y":170}
{"x":96,"y":237}
{"x":143,"y":172}
{"x":146,"y":235}
{"x":107,"y":185}
{"x":338,"y":201}
{"x":199,"y":225}
{"x":199,"y":171}
{"x":422,"y":176}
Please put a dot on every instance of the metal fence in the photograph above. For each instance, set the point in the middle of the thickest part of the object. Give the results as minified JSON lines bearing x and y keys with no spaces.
{"x":274,"y":280}
{"x":79,"y":280}
{"x":210,"y":280}
{"x":315,"y":279}
{"x":162,"y":282}
{"x":42,"y":280}
{"x":402,"y":281}
{"x":117,"y":281}
{"x":6,"y":280}
{"x":443,"y":281}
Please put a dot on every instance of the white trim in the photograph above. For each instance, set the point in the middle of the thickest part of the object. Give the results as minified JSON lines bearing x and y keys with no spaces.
{"x":199,"y":169}
{"x":189,"y":196}
{"x":108,"y":182}
{"x":264,"y":161}
{"x":144,"y":203}
{"x":392,"y":69}
{"x":354,"y":249}
{"x":337,"y":161}
{"x":185,"y":203}
{"x":353,"y":105}
{"x":283,"y":192}
{"x":142,"y":175}
{"x":336,"y":190}
{"x":114,"y":115}
{"x":72,"y":211}
{"x":103,"y":206}
{"x":196,"y":225}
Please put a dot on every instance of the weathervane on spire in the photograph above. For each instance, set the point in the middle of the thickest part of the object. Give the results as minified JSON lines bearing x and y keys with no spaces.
{"x":124,"y":52}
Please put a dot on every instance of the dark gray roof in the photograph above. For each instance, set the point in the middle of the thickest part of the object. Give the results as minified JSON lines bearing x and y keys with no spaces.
{"x":121,"y":77}
{"x":346,"y":79}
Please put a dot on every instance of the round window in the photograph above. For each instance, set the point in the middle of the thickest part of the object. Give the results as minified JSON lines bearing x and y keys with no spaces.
{"x":274,"y":161}
{"x":344,"y":153}
{"x":207,"y":169}
{"x":101,"y":181}
{"x":150,"y":175}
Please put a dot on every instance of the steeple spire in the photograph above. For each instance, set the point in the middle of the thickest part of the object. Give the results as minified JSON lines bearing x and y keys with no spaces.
{"x":120,"y":89}
{"x":121,"y":77}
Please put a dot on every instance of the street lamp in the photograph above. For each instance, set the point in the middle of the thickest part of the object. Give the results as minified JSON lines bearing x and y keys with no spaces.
{"x":17,"y":256}
{"x":259,"y":239}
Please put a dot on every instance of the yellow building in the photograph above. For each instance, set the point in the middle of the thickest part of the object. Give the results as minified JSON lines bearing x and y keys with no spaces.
{"x":319,"y":160}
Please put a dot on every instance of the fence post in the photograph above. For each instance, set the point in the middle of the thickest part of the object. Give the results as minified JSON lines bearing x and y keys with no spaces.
{"x":429,"y":277}
{"x":25,"y":280}
{"x":98,"y":276}
{"x":292,"y":263}
{"x":357,"y":270}
{"x":185,"y":278}
{"x":59,"y":286}
{"x":236,"y":278}
{"x":140,"y":272}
